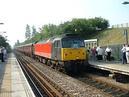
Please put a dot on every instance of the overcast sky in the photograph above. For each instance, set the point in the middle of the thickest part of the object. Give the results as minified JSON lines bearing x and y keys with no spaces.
{"x":17,"y":13}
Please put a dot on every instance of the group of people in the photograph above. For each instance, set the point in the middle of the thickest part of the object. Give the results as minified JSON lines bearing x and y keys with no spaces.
{"x":125,"y":54}
{"x":99,"y":53}
{"x":3,"y":54}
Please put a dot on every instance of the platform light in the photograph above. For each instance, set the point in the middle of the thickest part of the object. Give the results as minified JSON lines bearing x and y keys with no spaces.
{"x":126,"y":2}
{"x":1,"y":23}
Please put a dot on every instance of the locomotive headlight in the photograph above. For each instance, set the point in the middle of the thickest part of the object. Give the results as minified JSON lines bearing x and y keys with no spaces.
{"x":77,"y":57}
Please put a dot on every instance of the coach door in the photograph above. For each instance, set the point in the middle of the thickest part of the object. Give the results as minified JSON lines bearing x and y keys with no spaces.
{"x":57,"y":50}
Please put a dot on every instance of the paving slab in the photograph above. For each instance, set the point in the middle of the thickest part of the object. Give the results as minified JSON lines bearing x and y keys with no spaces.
{"x":13,"y":83}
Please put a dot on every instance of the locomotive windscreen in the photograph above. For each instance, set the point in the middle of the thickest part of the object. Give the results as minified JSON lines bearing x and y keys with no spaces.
{"x":72,"y":43}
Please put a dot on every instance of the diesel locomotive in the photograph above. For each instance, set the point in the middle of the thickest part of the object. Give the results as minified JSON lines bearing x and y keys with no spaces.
{"x":66,"y":52}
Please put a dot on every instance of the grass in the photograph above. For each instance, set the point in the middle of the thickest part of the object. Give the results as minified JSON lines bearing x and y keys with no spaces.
{"x":111,"y":36}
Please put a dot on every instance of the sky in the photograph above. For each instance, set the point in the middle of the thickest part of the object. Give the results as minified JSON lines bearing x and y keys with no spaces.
{"x":15,"y":14}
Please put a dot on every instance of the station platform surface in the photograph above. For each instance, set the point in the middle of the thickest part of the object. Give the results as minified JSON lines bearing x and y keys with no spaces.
{"x":12,"y":80}
{"x":115,"y":67}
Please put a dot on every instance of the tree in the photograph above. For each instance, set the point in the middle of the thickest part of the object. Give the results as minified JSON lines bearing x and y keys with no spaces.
{"x":28,"y":32}
{"x":85,"y":27}
{"x":99,"y":22}
{"x":4,"y":43}
{"x":49,"y":30}
{"x":17,"y":42}
{"x":33,"y":31}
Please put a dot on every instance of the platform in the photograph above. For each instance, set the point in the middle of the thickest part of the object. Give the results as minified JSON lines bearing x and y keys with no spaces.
{"x":12,"y":80}
{"x":114,"y":67}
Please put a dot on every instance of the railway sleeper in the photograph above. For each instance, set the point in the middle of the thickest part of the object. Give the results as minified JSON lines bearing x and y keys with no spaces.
{"x":120,"y":94}
{"x":115,"y":91}
{"x":108,"y":89}
{"x":101,"y":86}
{"x":125,"y":94}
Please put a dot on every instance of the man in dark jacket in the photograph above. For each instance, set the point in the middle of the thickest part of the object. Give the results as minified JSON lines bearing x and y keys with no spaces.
{"x":2,"y":54}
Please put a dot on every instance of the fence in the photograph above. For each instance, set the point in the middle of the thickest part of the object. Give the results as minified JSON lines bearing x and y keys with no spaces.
{"x":116,"y":51}
{"x":120,"y":25}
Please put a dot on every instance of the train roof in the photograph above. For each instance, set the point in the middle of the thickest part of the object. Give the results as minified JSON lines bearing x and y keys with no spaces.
{"x":46,"y":40}
{"x":24,"y":45}
{"x":68,"y":35}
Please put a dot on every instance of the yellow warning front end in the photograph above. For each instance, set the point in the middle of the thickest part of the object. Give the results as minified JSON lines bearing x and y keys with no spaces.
{"x":73,"y":54}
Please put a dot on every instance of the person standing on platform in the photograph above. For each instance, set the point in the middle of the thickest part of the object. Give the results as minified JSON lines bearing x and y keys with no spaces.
{"x":108,"y":53}
{"x":5,"y":54}
{"x":2,"y":50}
{"x":99,"y":53}
{"x":93,"y":51}
{"x":127,"y":53}
{"x":0,"y":53}
{"x":124,"y":60}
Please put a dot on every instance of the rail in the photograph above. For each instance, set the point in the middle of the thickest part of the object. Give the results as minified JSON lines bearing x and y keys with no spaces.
{"x":46,"y":84}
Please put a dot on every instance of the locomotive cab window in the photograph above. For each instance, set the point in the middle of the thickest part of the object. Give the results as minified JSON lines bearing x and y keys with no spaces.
{"x":72,"y":43}
{"x":57,"y":44}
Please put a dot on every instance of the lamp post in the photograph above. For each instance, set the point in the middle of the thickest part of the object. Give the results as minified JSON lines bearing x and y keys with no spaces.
{"x":125,"y":30}
{"x":126,"y":35}
{"x":125,"y":2}
{"x":1,"y":23}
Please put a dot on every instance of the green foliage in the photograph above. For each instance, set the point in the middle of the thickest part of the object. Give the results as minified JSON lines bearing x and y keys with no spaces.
{"x":84,"y":27}
{"x":4,"y":43}
{"x":17,"y":43}
{"x":28,"y":32}
{"x":50,"y":30}
{"x":33,"y":31}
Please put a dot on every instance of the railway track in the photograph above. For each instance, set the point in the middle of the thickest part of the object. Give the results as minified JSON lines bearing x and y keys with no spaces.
{"x":106,"y":85}
{"x":35,"y":87}
{"x":54,"y":90}
{"x":66,"y":86}
{"x":43,"y":86}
